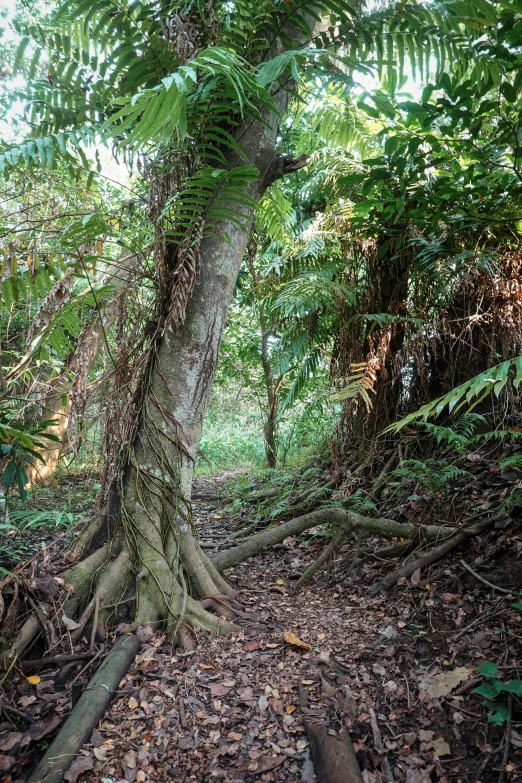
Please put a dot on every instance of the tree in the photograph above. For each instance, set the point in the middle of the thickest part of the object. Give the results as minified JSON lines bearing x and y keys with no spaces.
{"x":198,"y":96}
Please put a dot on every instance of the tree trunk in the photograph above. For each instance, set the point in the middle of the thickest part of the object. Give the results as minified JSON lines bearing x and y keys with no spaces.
{"x":271,"y":392}
{"x":156,"y":540}
{"x":270,"y":384}
{"x":80,"y":363}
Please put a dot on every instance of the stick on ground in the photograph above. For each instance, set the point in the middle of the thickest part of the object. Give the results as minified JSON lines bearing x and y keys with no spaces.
{"x":93,"y":702}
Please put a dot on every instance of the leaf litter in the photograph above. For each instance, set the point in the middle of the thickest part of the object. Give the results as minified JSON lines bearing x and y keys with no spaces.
{"x":230,"y":710}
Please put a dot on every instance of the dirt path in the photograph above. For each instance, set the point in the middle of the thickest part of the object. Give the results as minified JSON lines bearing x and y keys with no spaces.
{"x":229,"y":710}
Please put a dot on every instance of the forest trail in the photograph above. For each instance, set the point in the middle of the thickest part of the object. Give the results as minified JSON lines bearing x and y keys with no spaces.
{"x":229,"y":710}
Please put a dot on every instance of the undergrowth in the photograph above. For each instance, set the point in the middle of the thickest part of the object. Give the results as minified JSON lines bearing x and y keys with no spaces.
{"x":45,"y":513}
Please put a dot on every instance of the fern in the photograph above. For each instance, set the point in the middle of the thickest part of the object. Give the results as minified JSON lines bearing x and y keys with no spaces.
{"x":359,"y":384}
{"x":460,"y":436}
{"x":468,"y":394}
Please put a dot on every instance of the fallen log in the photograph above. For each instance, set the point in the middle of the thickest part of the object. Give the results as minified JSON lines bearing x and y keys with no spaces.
{"x":430,"y":556}
{"x":332,"y":754}
{"x":350,"y":521}
{"x":85,"y":716}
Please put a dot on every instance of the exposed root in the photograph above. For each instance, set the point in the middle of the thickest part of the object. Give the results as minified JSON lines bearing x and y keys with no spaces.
{"x":86,"y":537}
{"x":327,"y":552}
{"x":348,"y":521}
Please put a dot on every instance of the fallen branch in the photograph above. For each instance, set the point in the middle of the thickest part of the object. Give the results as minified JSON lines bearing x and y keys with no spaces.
{"x":485,"y":581}
{"x":431,"y":556}
{"x":13,"y":711}
{"x":54,"y":659}
{"x":349,"y":520}
{"x":90,"y":708}
{"x":334,"y":544}
{"x":333,"y":755}
{"x":379,"y":747}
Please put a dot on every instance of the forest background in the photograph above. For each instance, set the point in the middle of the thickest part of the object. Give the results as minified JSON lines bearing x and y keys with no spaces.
{"x":312,"y":211}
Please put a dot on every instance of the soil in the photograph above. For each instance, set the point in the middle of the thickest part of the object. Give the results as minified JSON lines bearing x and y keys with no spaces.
{"x":231,"y":709}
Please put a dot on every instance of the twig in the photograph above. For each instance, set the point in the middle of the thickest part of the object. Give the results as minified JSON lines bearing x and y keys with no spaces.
{"x":431,"y":556}
{"x":377,"y":740}
{"x":55,"y":659}
{"x":485,"y":581}
{"x":484,"y":765}
{"x":13,"y":711}
{"x":94,"y":657}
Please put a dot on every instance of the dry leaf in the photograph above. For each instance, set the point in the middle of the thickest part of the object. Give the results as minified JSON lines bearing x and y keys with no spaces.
{"x":81,"y":764}
{"x":290,"y":709}
{"x":271,"y":646}
{"x":441,"y":747}
{"x":132,"y":703}
{"x":71,"y":625}
{"x":307,"y":682}
{"x":206,"y":666}
{"x":442,"y":684}
{"x":6,"y":762}
{"x":33,"y":679}
{"x":295,"y":641}
{"x":25,"y":701}
{"x":12,"y":739}
{"x":415,"y":577}
{"x":101,"y":752}
{"x":140,"y":776}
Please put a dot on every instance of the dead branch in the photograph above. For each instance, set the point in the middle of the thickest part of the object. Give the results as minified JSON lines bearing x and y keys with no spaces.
{"x":485,"y":581}
{"x":430,"y":556}
{"x":379,"y":747}
{"x":85,"y":716}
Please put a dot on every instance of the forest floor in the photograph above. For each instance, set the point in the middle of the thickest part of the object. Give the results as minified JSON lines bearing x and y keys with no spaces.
{"x":401,"y":666}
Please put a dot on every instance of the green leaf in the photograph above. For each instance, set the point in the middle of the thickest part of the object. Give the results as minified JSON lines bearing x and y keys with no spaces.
{"x":490,"y":691}
{"x":9,"y":474}
{"x":488,"y":669}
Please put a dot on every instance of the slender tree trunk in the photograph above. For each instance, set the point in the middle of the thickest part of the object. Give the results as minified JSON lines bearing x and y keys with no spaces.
{"x":270,"y":385}
{"x":271,"y":393}
{"x":58,"y":403}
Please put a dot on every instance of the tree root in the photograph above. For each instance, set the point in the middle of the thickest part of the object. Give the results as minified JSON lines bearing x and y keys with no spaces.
{"x":349,"y":521}
{"x":430,"y":556}
{"x":327,"y":552}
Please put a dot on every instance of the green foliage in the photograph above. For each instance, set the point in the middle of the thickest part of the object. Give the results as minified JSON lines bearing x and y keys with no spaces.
{"x":497,"y":693}
{"x":460,"y":435}
{"x":20,"y":446}
{"x":468,"y":394}
{"x":432,"y":475}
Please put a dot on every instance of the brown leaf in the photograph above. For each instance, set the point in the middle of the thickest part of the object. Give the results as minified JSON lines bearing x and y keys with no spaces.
{"x":6,"y":762}
{"x":441,"y":747}
{"x":251,"y":646}
{"x":265,"y":764}
{"x":219,"y":689}
{"x":295,"y":641}
{"x":442,"y":684}
{"x":81,"y":764}
{"x":12,"y":739}
{"x":39,"y":729}
{"x":416,"y":576}
{"x":185,"y":743}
